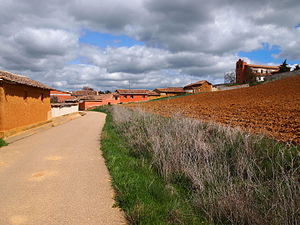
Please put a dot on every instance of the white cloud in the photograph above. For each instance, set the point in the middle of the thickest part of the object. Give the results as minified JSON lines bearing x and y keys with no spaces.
{"x":185,"y":40}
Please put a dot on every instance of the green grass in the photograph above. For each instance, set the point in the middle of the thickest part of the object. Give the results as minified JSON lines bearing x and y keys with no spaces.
{"x":2,"y":143}
{"x":143,"y":195}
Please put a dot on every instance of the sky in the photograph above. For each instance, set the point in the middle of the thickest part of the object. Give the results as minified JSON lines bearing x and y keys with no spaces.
{"x":110,"y":44}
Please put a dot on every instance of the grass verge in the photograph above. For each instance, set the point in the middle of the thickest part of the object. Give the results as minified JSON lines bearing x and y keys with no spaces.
{"x":2,"y":143}
{"x":143,"y":195}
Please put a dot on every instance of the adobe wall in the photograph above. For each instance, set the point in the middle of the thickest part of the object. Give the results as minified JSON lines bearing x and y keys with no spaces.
{"x":22,"y":106}
{"x":136,"y":98}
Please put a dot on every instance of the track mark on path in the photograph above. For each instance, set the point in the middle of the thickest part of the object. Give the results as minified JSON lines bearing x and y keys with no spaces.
{"x":41,"y":175}
{"x":54,"y":158}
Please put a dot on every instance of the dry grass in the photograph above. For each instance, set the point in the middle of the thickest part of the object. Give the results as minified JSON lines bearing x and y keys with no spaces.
{"x":233,"y":177}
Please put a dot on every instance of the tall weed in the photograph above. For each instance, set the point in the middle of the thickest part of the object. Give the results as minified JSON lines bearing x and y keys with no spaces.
{"x":233,"y":177}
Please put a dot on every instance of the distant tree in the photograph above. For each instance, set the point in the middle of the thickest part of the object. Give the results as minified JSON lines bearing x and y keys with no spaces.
{"x":284,"y":67}
{"x":53,"y":99}
{"x":107,"y":92}
{"x":230,"y":77}
{"x":100,"y":92}
{"x":297,"y":67}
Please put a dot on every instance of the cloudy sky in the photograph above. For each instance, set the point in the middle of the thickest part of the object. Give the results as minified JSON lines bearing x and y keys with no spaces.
{"x":110,"y":44}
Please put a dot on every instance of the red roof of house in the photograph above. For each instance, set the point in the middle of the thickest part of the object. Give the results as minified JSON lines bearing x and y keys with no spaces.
{"x":263,"y":66}
{"x":132,"y":91}
{"x":54,"y":92}
{"x":84,"y":92}
{"x":197,"y":83}
{"x":19,"y":79}
{"x":97,"y":97}
{"x":153,"y":93}
{"x":170,"y":90}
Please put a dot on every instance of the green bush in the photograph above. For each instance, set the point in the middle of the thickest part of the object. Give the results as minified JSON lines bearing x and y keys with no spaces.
{"x":2,"y":143}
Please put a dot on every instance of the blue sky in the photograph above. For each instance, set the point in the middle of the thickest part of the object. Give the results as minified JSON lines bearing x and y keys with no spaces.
{"x":266,"y":54}
{"x":104,"y":40}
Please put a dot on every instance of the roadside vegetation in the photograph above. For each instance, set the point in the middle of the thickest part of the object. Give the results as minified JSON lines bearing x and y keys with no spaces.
{"x":226,"y":175}
{"x":2,"y":143}
{"x":144,"y":196}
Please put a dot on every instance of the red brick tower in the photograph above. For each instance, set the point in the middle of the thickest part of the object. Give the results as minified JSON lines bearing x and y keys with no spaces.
{"x":240,"y":71}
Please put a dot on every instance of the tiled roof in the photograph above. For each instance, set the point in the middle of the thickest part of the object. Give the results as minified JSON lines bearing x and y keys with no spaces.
{"x":132,"y":91}
{"x":19,"y":79}
{"x":197,"y":83}
{"x":170,"y":90}
{"x":263,"y":66}
{"x":153,"y":93}
{"x":84,"y":92}
{"x":97,"y":97}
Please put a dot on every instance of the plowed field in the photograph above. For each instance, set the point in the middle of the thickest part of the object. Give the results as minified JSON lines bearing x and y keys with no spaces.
{"x":272,"y":109}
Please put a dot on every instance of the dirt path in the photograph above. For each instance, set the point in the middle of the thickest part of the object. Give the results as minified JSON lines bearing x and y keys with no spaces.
{"x":58,"y":177}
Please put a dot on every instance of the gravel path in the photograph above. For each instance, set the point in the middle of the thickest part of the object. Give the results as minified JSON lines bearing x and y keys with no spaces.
{"x":58,"y":177}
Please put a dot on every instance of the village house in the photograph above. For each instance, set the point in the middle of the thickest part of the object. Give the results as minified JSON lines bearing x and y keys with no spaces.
{"x":249,"y":72}
{"x":23,"y":103}
{"x":92,"y":101}
{"x":200,"y":86}
{"x":60,"y":96}
{"x":170,"y":91}
{"x":131,"y":95}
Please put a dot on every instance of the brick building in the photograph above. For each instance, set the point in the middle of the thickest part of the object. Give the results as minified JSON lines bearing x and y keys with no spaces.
{"x":23,"y":103}
{"x":92,"y":101}
{"x":170,"y":91}
{"x":60,"y":96}
{"x":200,"y":86}
{"x":131,"y":95}
{"x":249,"y":72}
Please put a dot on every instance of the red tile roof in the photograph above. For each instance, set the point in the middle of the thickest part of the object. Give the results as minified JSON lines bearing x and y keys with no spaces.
{"x":19,"y":79}
{"x":153,"y":93}
{"x":132,"y":91}
{"x":170,"y":90}
{"x":197,"y":83}
{"x":97,"y":97}
{"x":84,"y":92}
{"x":263,"y":66}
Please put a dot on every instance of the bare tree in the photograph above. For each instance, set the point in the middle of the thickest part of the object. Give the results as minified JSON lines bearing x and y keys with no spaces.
{"x":230,"y":77}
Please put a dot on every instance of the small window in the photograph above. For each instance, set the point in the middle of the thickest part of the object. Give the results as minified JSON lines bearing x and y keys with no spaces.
{"x":143,"y":96}
{"x":131,"y":96}
{"x":116,"y":98}
{"x":42,"y":97}
{"x":125,"y":96}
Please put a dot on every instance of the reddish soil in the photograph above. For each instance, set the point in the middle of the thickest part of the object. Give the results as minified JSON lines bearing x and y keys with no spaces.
{"x":272,"y":109}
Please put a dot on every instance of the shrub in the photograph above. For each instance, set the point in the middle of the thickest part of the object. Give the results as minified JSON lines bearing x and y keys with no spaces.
{"x":2,"y":143}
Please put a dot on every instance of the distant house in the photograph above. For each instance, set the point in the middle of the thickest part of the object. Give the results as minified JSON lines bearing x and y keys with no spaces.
{"x":60,"y":96}
{"x":170,"y":91}
{"x":23,"y":103}
{"x":91,"y":101}
{"x":200,"y":86}
{"x":249,"y":72}
{"x":131,"y":95}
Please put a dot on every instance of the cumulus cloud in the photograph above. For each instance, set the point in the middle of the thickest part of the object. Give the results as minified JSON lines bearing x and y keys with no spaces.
{"x":185,"y":40}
